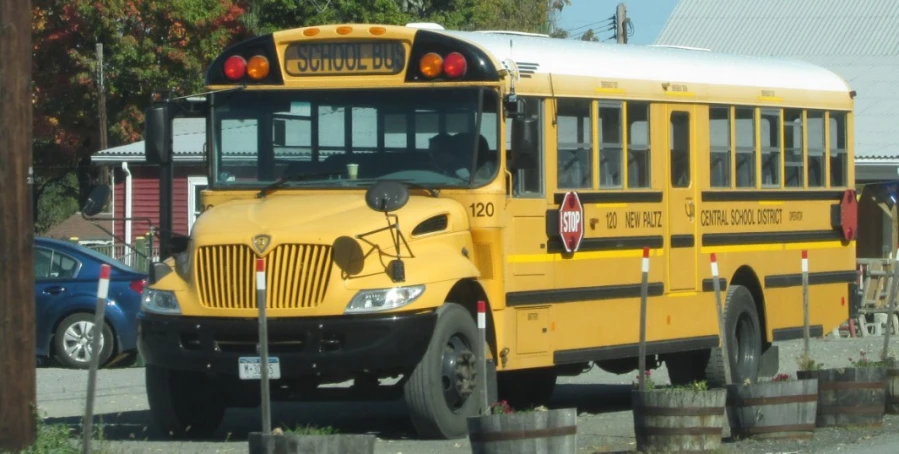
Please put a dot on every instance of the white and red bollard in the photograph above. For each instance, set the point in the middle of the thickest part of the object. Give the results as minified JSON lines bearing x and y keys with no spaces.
{"x":722,"y":322}
{"x":644,"y":291}
{"x":482,"y":354}
{"x":95,"y":349}
{"x":263,"y":347}
{"x":805,"y":309}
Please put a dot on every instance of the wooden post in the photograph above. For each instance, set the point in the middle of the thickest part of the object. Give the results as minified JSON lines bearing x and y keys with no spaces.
{"x":644,"y":291}
{"x":17,"y":359}
{"x":722,"y":323}
{"x":891,"y":307}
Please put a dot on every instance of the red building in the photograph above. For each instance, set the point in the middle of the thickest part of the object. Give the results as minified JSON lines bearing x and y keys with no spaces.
{"x":136,"y":184}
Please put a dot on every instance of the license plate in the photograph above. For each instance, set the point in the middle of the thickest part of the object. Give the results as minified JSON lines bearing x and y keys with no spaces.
{"x":249,"y":368}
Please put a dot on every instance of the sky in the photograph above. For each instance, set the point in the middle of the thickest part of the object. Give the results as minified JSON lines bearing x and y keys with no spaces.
{"x":647,"y":16}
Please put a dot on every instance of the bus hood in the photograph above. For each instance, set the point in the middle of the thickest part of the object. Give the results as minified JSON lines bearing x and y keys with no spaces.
{"x":320,"y":219}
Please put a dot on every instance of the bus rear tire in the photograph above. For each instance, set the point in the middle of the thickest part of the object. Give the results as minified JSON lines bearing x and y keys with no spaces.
{"x":744,"y":340}
{"x":443,"y":390}
{"x":184,"y":404}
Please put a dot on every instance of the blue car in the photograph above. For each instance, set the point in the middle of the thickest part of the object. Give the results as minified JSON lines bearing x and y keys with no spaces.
{"x":65,"y":291}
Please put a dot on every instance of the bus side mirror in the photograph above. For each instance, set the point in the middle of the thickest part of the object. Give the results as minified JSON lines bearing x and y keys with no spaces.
{"x":523,"y":152}
{"x":157,"y":135}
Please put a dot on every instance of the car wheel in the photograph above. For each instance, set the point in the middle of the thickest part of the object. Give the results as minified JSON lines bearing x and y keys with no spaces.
{"x":73,"y":341}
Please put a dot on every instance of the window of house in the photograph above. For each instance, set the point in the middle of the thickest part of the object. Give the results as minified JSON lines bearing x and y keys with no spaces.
{"x":638,"y":162}
{"x":793,"y":159}
{"x":770,"y":134}
{"x":575,"y":143}
{"x":816,"y":168}
{"x":839,"y":167}
{"x":679,"y":142}
{"x":719,"y":147}
{"x":744,"y":119}
{"x":610,"y":145}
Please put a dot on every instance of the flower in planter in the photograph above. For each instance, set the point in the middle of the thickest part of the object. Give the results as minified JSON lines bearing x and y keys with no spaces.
{"x":807,"y":363}
{"x":782,"y":377}
{"x":500,"y":408}
{"x":650,"y":384}
{"x":864,"y":361}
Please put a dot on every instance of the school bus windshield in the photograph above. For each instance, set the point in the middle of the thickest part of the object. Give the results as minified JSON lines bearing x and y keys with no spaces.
{"x":348,"y":138}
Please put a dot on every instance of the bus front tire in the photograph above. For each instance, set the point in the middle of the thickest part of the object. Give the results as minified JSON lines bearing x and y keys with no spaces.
{"x":744,"y":341}
{"x":443,"y":390}
{"x":184,"y":404}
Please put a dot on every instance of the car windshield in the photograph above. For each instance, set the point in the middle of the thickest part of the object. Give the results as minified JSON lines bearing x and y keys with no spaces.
{"x":436,"y":137}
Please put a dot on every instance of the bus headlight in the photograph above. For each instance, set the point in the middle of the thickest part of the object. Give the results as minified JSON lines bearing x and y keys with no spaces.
{"x":160,"y":302}
{"x":383,"y":299}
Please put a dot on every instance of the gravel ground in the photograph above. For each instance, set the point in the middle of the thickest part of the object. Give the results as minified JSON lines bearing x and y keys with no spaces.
{"x":605,"y":423}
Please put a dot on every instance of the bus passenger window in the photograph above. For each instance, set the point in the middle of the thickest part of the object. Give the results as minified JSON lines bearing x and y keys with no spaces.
{"x":638,"y":162}
{"x":719,"y":141}
{"x":745,"y":135}
{"x":610,"y":144}
{"x":838,"y":164}
{"x":575,"y":143}
{"x":770,"y":134}
{"x":793,"y":160}
{"x":679,"y":141}
{"x":816,"y":169}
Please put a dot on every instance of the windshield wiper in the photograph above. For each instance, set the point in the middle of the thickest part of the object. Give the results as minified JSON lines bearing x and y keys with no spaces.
{"x":294,"y":177}
{"x":434,"y":192}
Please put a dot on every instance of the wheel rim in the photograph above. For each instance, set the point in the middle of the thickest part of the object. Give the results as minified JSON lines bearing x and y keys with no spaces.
{"x":78,"y":341}
{"x":744,"y":346}
{"x":458,"y":371}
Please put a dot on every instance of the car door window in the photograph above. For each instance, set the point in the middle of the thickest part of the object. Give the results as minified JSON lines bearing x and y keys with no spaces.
{"x":63,"y":266}
{"x":50,"y":264}
{"x":42,"y":259}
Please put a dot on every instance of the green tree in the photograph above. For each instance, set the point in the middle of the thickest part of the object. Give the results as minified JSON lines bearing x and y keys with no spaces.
{"x":589,"y":36}
{"x":147,"y":44}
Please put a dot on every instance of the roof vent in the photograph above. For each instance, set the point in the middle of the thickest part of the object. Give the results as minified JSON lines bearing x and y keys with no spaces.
{"x":669,"y":46}
{"x":425,"y":25}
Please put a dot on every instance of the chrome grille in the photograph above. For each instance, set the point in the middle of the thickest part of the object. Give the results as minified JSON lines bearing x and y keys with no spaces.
{"x":296,"y":276}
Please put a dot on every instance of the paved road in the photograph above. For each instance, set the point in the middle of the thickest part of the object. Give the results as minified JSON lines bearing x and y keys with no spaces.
{"x":603,"y":400}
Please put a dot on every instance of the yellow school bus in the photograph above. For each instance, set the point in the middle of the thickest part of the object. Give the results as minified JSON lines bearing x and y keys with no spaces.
{"x":391,"y":177}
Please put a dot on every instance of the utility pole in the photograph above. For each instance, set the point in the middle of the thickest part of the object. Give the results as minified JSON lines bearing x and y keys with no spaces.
{"x":101,"y":108}
{"x":621,"y":24}
{"x":17,"y":361}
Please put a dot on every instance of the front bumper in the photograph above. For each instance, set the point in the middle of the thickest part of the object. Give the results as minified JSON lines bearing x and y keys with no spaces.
{"x":337,"y":347}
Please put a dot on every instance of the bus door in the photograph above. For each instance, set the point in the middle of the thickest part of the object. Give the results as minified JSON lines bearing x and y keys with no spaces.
{"x":528,"y":265}
{"x":683,"y":238}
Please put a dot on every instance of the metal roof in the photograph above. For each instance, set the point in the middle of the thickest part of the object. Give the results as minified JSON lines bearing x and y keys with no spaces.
{"x":537,"y":54}
{"x":857,"y":39}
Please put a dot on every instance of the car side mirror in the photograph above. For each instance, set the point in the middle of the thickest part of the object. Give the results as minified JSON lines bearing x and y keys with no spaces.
{"x":96,"y":201}
{"x":158,"y":134}
{"x":524,"y":142}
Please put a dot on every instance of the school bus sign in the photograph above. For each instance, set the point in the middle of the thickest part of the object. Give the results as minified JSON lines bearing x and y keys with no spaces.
{"x":571,"y":222}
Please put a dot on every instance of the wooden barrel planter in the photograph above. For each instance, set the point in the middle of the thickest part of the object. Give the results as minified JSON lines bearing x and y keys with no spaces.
{"x":850,"y":396}
{"x":303,"y":444}
{"x":535,"y":432}
{"x":892,"y":398}
{"x":776,"y":409}
{"x":679,"y":420}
